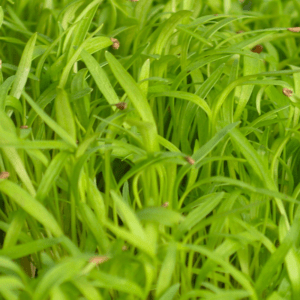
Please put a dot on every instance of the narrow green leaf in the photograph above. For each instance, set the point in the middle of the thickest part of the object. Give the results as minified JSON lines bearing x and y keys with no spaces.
{"x":269,"y":268}
{"x":1,"y":16}
{"x":88,"y":290}
{"x":31,"y":206}
{"x":4,"y":88}
{"x":194,"y":34}
{"x":100,"y":78}
{"x":131,"y":238}
{"x":196,"y":215}
{"x":97,"y":43}
{"x":166,"y":271}
{"x":189,"y":97}
{"x":132,"y":89}
{"x":170,"y":292}
{"x":24,"y":68}
{"x":64,"y":113}
{"x":128,"y":216}
{"x":166,"y":30}
{"x":14,"y":230}
{"x":234,"y":272}
{"x":51,"y":175}
{"x":160,"y":215}
{"x":52,"y":124}
{"x":12,"y":267}
{"x":144,"y":74}
{"x":136,"y":96}
{"x":108,"y":281}
{"x":251,"y":155}
{"x":96,"y":228}
{"x":23,"y":250}
{"x":64,"y":271}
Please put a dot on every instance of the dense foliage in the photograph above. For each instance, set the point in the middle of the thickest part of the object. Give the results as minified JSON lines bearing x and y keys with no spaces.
{"x":149,"y":149}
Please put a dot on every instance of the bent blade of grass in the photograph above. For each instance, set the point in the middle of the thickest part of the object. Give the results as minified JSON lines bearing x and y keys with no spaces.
{"x":18,"y":251}
{"x":234,"y":84}
{"x":189,"y":97}
{"x":10,"y":281}
{"x":51,"y":123}
{"x":14,"y":103}
{"x":12,"y":266}
{"x":24,"y":68}
{"x":7,"y":126}
{"x":97,"y":43}
{"x":31,"y":206}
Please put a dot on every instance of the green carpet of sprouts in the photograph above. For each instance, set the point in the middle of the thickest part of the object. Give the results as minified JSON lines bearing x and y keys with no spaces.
{"x":187,"y":190}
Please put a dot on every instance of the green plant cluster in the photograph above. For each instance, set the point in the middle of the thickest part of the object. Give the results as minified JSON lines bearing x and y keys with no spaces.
{"x":149,"y":149}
